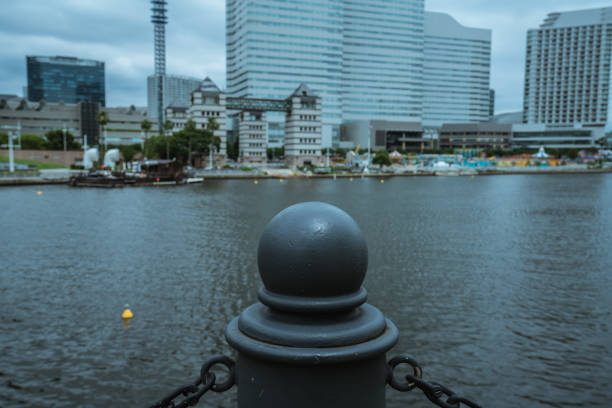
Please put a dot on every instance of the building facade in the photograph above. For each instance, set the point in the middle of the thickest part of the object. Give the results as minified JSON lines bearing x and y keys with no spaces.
{"x":65,"y":79}
{"x":303,"y":124}
{"x":176,"y":92}
{"x":253,"y":135}
{"x":475,"y":136}
{"x":208,"y":102}
{"x":567,"y":69}
{"x":38,"y":118}
{"x":532,"y":136}
{"x":363,"y":58}
{"x":456,"y":74}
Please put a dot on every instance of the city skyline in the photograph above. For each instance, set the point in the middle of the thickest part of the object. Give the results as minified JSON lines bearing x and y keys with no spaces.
{"x":122,"y":36}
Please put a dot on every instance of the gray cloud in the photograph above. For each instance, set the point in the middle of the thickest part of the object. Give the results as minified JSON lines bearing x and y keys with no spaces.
{"x":119,"y":32}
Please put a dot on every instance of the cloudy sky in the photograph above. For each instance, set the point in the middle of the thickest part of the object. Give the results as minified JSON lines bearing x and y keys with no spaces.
{"x":119,"y":32}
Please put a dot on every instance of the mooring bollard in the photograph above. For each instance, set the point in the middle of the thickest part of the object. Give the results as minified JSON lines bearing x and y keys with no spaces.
{"x":312,"y":340}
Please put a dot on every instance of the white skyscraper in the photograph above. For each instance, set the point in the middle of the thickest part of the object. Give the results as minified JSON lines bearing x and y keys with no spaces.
{"x":364,"y":58}
{"x":456,"y":72}
{"x":176,"y":91}
{"x":567,"y":69}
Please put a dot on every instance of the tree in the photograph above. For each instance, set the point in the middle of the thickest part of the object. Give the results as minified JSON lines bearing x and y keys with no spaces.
{"x":168,"y":125}
{"x":102,"y":119}
{"x":181,"y":145}
{"x":3,"y":139}
{"x":382,"y":157}
{"x":212,"y":124}
{"x":55,"y":140}
{"x":35,"y":142}
{"x":190,"y":125}
{"x":146,"y":126}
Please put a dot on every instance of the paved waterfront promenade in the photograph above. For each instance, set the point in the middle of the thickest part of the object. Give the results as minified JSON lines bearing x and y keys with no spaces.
{"x":62,"y":176}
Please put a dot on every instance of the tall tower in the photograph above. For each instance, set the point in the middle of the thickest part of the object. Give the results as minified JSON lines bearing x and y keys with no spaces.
{"x":159,"y":20}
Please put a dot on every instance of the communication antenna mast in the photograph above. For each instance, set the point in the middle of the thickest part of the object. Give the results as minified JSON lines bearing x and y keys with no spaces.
{"x":159,"y":20}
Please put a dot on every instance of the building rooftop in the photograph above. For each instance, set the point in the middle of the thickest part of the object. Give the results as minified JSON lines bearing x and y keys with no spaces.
{"x":303,"y":90}
{"x":209,"y":87}
{"x":443,"y":25}
{"x":578,"y":18}
{"x":61,"y":60}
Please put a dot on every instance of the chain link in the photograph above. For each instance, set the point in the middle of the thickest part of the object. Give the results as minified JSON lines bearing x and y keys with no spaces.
{"x":433,"y":391}
{"x":207,"y":381}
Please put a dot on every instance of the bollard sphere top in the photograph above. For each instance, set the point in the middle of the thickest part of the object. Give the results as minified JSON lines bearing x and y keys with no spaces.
{"x":312,"y":257}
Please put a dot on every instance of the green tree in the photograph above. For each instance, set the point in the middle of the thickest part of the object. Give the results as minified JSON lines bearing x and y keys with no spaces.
{"x":3,"y":138}
{"x":34,"y":142}
{"x":382,"y":157}
{"x":212,"y":124}
{"x":168,"y":125}
{"x":146,"y":126}
{"x":103,"y":120}
{"x":183,"y":144}
{"x":190,"y":125}
{"x":55,"y":140}
{"x":127,"y":151}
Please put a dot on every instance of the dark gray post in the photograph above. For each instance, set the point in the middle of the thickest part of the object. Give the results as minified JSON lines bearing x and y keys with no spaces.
{"x":312,"y":341}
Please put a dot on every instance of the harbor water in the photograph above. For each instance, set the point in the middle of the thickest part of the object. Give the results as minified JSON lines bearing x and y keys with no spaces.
{"x":501,"y":286}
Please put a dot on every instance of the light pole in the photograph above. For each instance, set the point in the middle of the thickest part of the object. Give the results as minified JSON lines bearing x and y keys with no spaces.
{"x":11,"y":157}
{"x":19,"y":132}
{"x":64,"y":132}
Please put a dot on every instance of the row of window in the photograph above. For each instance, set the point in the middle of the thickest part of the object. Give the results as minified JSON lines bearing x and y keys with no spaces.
{"x":308,"y":151}
{"x":307,"y":140}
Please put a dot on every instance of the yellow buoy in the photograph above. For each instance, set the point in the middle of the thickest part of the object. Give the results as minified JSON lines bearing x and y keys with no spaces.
{"x":280,"y":180}
{"x":127,"y":313}
{"x":255,"y":182}
{"x":382,"y":181}
{"x":351,"y":179}
{"x":39,"y":192}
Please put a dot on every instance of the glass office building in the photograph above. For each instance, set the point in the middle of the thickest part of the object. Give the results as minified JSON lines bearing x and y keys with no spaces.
{"x":67,"y":79}
{"x":176,"y":92}
{"x":364,"y":58}
{"x":457,"y":72}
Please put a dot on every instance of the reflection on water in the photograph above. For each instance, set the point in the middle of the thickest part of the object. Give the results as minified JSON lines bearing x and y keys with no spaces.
{"x":500,"y":286}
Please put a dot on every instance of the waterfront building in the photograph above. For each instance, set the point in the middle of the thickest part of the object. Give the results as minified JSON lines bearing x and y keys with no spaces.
{"x":456,"y":76}
{"x":38,"y":118}
{"x":567,"y":69}
{"x":65,"y":79}
{"x":475,"y":136}
{"x":176,"y":92}
{"x":577,"y":136}
{"x":123,"y":125}
{"x":253,"y":137}
{"x":303,"y":128}
{"x":208,"y":101}
{"x":363,"y":58}
{"x":384,"y":135}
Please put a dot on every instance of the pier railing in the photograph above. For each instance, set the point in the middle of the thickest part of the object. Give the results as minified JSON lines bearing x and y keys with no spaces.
{"x":312,"y":340}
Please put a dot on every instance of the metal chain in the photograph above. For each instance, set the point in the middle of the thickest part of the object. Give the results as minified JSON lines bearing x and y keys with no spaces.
{"x":207,"y":381}
{"x":433,"y":391}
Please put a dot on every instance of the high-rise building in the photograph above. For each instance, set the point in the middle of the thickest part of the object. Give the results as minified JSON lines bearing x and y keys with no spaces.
{"x":567,"y":69}
{"x":456,"y":72}
{"x":364,"y":58}
{"x":65,"y":79}
{"x":176,"y":92}
{"x":491,"y":104}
